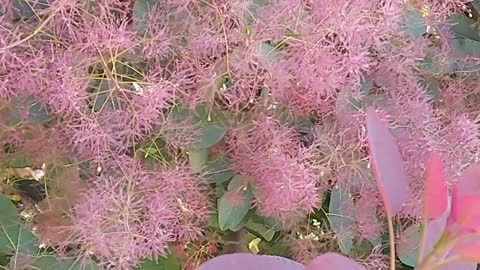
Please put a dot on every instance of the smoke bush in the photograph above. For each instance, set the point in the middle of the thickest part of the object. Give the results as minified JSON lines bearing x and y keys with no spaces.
{"x":159,"y":104}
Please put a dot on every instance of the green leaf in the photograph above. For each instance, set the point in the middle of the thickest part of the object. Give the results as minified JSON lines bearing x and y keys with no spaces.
{"x":355,"y":103}
{"x":281,"y":113}
{"x":20,"y":261}
{"x":3,"y":260}
{"x":304,"y":124}
{"x":466,"y":47}
{"x":164,"y":263}
{"x":366,"y":85}
{"x":8,"y":211}
{"x":45,"y":262}
{"x":408,"y":245}
{"x":210,"y":134}
{"x":231,"y":211}
{"x":432,"y":87}
{"x":220,"y":188}
{"x":260,"y":230}
{"x":211,"y":122}
{"x":52,"y":262}
{"x":24,"y":9}
{"x":213,"y":221}
{"x":101,"y":86}
{"x":242,"y":223}
{"x":341,"y":217}
{"x":238,"y":184}
{"x":197,"y":158}
{"x":155,"y":150}
{"x":14,"y":238}
{"x":268,"y":222}
{"x":277,"y":248}
{"x":81,"y":265}
{"x":463,"y":27}
{"x":430,"y":64}
{"x":101,"y":94}
{"x":252,"y":14}
{"x":29,"y":105}
{"x":17,"y":160}
{"x":141,"y":12}
{"x":150,"y":152}
{"x":362,"y":249}
{"x":217,"y":170}
{"x":271,"y":53}
{"x":414,"y":24}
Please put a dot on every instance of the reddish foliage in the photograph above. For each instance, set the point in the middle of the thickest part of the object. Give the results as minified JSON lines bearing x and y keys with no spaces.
{"x":436,"y":196}
{"x":108,"y":86}
{"x":388,"y":164}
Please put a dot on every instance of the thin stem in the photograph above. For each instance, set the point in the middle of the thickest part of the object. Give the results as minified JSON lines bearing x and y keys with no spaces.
{"x":423,"y":240}
{"x":443,"y":245}
{"x":35,"y":32}
{"x":391,"y":239}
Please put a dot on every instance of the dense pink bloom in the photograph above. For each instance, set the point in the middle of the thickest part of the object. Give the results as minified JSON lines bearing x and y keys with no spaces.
{"x":269,"y":154}
{"x":369,"y":224}
{"x":108,"y":86}
{"x":130,"y":214}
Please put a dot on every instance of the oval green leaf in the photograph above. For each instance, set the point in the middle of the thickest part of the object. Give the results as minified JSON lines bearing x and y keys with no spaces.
{"x":141,"y":12}
{"x":408,"y":245}
{"x":217,"y":170}
{"x":210,"y":134}
{"x":342,"y":218}
{"x":260,"y":230}
{"x":197,"y":158}
{"x":164,"y":263}
{"x":414,"y":24}
{"x":14,"y":238}
{"x":234,"y":205}
{"x":464,"y":27}
{"x":52,"y":262}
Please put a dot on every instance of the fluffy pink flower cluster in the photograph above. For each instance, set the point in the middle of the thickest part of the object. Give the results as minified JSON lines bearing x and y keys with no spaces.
{"x":107,"y":73}
{"x":270,"y":155}
{"x":129,"y":213}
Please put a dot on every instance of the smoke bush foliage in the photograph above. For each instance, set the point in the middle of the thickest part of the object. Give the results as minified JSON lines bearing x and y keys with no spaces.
{"x":157,"y":104}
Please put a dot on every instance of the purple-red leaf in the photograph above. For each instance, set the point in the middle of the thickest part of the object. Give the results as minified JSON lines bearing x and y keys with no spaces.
{"x":469,"y":251}
{"x":387,"y":164}
{"x":458,"y":265}
{"x":434,"y":231}
{"x":333,"y":261}
{"x":246,"y":261}
{"x":469,"y":182}
{"x":465,"y":215}
{"x":436,"y":195}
